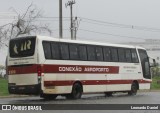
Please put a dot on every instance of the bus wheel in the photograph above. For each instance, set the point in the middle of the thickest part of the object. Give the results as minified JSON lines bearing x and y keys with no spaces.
{"x":108,"y":94}
{"x":48,"y":96}
{"x":76,"y":92}
{"x":134,"y":89}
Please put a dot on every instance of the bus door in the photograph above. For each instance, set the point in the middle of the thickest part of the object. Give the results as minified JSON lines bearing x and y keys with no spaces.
{"x":145,"y":64}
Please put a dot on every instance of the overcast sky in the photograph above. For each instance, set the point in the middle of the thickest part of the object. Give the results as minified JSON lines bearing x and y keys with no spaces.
{"x":110,"y":17}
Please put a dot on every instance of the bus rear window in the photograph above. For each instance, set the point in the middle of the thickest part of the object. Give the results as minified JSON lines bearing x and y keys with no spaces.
{"x":22,"y":47}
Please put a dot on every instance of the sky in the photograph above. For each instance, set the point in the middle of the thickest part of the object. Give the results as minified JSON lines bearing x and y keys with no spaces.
{"x":114,"y":21}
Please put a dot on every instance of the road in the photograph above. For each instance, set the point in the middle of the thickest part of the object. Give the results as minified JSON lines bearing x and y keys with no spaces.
{"x":120,"y":98}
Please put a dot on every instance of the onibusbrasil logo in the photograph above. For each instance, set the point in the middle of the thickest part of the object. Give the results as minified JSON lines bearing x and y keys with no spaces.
{"x":21,"y":107}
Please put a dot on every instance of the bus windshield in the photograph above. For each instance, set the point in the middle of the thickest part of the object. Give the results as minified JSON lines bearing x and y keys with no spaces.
{"x":22,"y":47}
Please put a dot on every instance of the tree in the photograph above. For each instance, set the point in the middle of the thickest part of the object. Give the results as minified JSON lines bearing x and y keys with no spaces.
{"x":24,"y":24}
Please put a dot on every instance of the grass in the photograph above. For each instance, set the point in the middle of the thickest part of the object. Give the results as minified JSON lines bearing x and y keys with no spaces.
{"x":154,"y":84}
{"x":3,"y":87}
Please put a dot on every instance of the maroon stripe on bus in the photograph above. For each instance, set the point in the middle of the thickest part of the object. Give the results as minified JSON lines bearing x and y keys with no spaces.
{"x":91,"y":82}
{"x":22,"y":69}
{"x":81,"y":69}
{"x":143,"y":81}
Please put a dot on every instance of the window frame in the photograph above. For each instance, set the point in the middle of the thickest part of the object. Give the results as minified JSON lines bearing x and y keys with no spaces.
{"x":121,"y":55}
{"x":101,"y":53}
{"x":52,"y":43}
{"x":130,"y":59}
{"x":89,"y":54}
{"x":112,"y":54}
{"x":80,"y":53}
{"x":44,"y":42}
{"x":60,"y":44}
{"x":135,"y":51}
{"x":108,"y":52}
{"x":77,"y":46}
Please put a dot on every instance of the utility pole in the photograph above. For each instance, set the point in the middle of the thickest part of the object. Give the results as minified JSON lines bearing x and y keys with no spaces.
{"x":70,"y":3}
{"x":60,"y":20}
{"x":76,"y":23}
{"x":75,"y":28}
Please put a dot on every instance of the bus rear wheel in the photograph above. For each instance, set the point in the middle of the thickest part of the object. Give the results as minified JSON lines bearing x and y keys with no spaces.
{"x":134,"y":89}
{"x":76,"y":92}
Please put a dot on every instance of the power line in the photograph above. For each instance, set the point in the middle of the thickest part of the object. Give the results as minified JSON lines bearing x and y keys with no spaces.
{"x":93,"y":21}
{"x":117,"y":35}
{"x":98,"y":22}
{"x":104,"y":23}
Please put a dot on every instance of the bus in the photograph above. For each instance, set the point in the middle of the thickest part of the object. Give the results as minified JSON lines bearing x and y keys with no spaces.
{"x":47,"y":66}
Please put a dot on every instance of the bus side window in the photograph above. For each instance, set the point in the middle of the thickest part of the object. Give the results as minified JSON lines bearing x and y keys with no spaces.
{"x":128,"y":55}
{"x":114,"y":54}
{"x":55,"y":51}
{"x":83,"y":52}
{"x":121,"y":55}
{"x":134,"y":56}
{"x":64,"y":51}
{"x":91,"y":53}
{"x":73,"y":50}
{"x":47,"y":50}
{"x":107,"y":53}
{"x":99,"y":54}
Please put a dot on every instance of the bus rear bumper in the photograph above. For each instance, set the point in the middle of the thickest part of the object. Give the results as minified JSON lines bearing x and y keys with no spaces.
{"x":24,"y":89}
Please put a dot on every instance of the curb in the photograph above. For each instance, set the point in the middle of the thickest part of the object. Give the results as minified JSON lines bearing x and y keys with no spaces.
{"x":15,"y":96}
{"x":152,"y":90}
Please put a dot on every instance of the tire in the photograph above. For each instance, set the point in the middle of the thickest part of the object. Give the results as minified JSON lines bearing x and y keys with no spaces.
{"x":48,"y":96}
{"x":108,"y":94}
{"x":134,"y":89}
{"x":76,"y":92}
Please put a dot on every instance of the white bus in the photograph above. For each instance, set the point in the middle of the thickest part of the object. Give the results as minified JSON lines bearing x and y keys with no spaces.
{"x":50,"y":67}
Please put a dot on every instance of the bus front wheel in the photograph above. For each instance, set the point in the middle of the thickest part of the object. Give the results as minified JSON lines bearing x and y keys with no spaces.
{"x":134,"y":89}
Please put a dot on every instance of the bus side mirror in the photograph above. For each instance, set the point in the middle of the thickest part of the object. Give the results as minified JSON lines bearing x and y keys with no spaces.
{"x":153,"y":63}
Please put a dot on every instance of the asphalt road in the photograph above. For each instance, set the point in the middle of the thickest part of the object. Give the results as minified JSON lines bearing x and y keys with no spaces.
{"x":120,"y":98}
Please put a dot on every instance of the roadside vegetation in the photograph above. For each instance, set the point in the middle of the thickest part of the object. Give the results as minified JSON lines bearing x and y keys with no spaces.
{"x":155,"y":78}
{"x":155,"y":83}
{"x":3,"y":87}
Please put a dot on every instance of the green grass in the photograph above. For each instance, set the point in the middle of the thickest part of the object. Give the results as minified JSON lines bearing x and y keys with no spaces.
{"x":154,"y":84}
{"x":3,"y":87}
